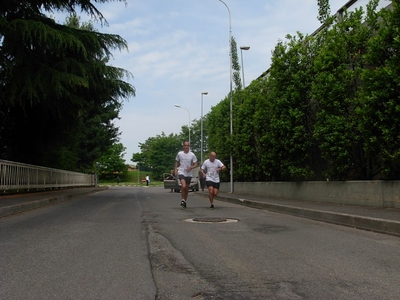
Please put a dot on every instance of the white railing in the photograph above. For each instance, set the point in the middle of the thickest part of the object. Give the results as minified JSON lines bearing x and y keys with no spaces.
{"x":19,"y":176}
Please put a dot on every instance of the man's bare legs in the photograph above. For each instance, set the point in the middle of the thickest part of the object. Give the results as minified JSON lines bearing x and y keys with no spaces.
{"x":212,"y":192}
{"x":184,"y":189}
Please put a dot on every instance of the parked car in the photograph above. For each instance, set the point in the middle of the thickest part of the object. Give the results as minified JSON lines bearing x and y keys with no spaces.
{"x":194,"y":184}
{"x":172,"y":182}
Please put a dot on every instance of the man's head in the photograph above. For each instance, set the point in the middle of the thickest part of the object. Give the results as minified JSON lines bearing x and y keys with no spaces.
{"x":212,"y":156}
{"x":186,"y":146}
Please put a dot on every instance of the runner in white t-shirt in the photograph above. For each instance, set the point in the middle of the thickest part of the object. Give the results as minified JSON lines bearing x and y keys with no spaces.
{"x":185,"y":162}
{"x":211,"y":168}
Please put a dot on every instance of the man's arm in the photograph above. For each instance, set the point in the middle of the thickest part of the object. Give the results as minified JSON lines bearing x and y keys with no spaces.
{"x":221,"y":168}
{"x":176,"y":167}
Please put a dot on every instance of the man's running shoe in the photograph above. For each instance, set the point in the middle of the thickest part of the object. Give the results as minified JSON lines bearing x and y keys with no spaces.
{"x":183,"y":204}
{"x":212,"y":206}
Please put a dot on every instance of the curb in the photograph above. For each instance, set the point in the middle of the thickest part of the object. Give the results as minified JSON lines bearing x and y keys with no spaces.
{"x":390,"y":227}
{"x":26,"y":206}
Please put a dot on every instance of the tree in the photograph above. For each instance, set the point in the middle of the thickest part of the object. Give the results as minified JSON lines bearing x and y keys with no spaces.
{"x":97,"y":131}
{"x":51,"y":77}
{"x":291,"y":117}
{"x":338,"y":66}
{"x":158,"y":154}
{"x":250,"y":136}
{"x":380,"y":96}
{"x":112,"y":161}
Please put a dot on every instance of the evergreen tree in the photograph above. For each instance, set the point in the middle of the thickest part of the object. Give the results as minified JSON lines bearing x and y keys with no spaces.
{"x":51,"y":77}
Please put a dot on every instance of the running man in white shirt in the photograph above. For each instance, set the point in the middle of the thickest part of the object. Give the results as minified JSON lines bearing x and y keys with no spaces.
{"x":185,"y":162}
{"x":211,"y":168}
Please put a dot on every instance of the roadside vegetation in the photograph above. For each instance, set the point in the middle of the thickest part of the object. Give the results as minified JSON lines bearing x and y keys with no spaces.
{"x":328,"y":108}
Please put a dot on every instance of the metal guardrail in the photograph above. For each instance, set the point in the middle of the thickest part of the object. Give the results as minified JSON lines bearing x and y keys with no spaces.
{"x":19,"y":176}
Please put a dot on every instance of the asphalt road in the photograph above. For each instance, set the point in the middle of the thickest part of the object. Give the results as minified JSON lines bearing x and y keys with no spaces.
{"x":136,"y":243}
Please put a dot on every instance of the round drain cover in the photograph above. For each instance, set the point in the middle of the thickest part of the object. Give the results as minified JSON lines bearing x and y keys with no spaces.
{"x":211,"y":220}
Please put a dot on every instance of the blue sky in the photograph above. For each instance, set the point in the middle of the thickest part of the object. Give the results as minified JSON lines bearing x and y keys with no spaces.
{"x":180,"y":48}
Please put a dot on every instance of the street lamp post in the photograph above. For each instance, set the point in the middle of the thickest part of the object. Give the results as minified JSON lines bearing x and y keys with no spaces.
{"x":177,"y":105}
{"x":241,"y":54}
{"x":201,"y":128}
{"x":230,"y":91}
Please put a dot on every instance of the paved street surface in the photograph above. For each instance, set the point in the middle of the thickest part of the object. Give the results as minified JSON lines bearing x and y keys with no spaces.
{"x":137,"y":243}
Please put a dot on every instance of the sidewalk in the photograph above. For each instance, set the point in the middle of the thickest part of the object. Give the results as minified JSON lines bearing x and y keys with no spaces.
{"x":383,"y":220}
{"x":17,"y":203}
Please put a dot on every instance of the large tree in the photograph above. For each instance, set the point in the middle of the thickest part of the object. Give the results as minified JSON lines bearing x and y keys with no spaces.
{"x":51,"y":77}
{"x":158,"y":154}
{"x":112,"y":161}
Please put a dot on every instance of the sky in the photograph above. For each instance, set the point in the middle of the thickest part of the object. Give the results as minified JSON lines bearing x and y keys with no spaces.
{"x":178,"y":49}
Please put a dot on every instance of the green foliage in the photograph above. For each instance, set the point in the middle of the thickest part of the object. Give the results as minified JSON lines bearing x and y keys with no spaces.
{"x":237,"y":80}
{"x":291,"y":115}
{"x":336,"y":86}
{"x":58,"y":96}
{"x":112,"y":162}
{"x":324,"y":11}
{"x":329,"y":106}
{"x":251,"y":117}
{"x":158,"y":154}
{"x":380,"y":97}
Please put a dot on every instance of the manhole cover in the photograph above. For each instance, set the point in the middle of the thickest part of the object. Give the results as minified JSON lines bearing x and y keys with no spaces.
{"x":211,"y":220}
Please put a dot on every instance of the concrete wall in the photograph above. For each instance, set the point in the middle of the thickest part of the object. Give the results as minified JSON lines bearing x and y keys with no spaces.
{"x":369,"y":193}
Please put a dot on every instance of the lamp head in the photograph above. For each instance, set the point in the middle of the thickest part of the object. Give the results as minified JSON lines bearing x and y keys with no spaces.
{"x":245,"y":48}
{"x":177,"y":105}
{"x":204,"y":93}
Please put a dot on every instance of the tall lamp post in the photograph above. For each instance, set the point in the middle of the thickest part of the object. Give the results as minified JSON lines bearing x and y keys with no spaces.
{"x":241,"y":54}
{"x":201,"y":127}
{"x":230,"y":91}
{"x":177,"y":105}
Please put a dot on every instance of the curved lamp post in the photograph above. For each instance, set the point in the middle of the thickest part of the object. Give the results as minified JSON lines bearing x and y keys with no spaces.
{"x":241,"y":54}
{"x":230,"y":91}
{"x":177,"y":105}
{"x":201,"y":130}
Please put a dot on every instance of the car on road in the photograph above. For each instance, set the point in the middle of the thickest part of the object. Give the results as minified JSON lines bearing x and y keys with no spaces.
{"x":172,"y":182}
